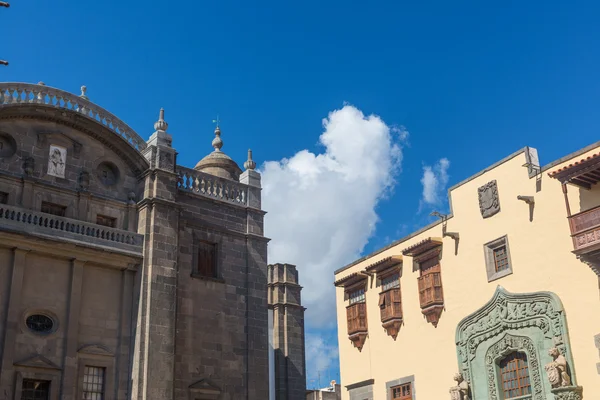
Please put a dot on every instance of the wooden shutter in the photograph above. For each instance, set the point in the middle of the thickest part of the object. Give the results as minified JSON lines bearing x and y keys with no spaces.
{"x":430,"y":283}
{"x":207,"y":259}
{"x":396,"y":300}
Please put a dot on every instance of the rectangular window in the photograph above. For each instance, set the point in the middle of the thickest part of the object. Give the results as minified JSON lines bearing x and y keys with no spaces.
{"x":357,"y":296}
{"x":390,"y":281}
{"x":34,"y":389}
{"x":3,"y":198}
{"x":497,"y":259}
{"x":500,"y":259}
{"x":93,"y":383}
{"x":207,"y":259}
{"x":402,"y":392}
{"x":106,"y":221}
{"x":54,"y":209}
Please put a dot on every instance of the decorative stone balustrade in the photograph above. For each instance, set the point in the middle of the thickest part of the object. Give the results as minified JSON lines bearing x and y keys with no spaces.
{"x":211,"y":186}
{"x":47,"y":225}
{"x":24,"y":93}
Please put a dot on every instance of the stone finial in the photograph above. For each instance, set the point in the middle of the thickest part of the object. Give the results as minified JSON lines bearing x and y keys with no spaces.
{"x":249,"y":164}
{"x":41,"y":83}
{"x":217,"y":142}
{"x":161,"y":124}
{"x":83,"y":90}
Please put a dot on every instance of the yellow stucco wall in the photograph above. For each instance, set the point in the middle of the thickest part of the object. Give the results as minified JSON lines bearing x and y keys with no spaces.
{"x":541,"y":260}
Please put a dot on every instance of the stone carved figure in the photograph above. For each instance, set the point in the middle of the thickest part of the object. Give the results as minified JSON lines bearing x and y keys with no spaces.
{"x":557,"y":369}
{"x":84,"y":180}
{"x":461,"y":390}
{"x":56,"y":161}
{"x":489,"y":202}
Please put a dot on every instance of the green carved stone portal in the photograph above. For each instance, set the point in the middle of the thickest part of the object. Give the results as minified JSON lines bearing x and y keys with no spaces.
{"x":528,"y":323}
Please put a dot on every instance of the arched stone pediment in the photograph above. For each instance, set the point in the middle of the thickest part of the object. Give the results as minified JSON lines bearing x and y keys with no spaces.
{"x":528,"y":322}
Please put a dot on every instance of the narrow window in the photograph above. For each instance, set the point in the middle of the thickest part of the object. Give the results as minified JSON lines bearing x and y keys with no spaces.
{"x":106,"y":221}
{"x":514,"y":371}
{"x":207,"y":259}
{"x":3,"y":198}
{"x":54,"y":209}
{"x":34,"y":389}
{"x":402,"y":392}
{"x":93,"y":383}
{"x":500,"y":259}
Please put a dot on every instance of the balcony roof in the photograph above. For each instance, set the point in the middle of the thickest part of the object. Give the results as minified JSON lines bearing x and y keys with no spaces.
{"x":383,"y":264}
{"x":422,"y":246}
{"x":351,"y":279}
{"x":583,"y":173}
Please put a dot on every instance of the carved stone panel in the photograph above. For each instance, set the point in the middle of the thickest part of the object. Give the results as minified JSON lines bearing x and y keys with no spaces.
{"x":57,"y":161}
{"x":489,"y":202}
{"x":531,"y":323}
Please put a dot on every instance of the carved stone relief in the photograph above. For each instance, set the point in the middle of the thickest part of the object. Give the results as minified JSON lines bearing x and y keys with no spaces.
{"x":531,"y":322}
{"x":29,"y":165}
{"x":57,"y":161}
{"x":489,"y":202}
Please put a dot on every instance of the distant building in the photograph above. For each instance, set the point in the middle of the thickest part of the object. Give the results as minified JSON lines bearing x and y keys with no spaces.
{"x":124,"y":275}
{"x":333,"y":392}
{"x":501,"y":295}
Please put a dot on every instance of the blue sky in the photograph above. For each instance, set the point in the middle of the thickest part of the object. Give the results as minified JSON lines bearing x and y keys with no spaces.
{"x":471,"y":82}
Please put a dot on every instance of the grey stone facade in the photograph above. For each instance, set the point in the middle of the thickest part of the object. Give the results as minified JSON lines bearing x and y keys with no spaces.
{"x":288,"y":332}
{"x":128,"y":299}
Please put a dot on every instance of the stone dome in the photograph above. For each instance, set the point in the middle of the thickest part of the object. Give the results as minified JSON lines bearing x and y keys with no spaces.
{"x":218,"y":163}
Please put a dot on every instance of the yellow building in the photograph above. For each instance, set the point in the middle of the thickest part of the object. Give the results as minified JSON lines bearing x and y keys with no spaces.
{"x":499,"y":295}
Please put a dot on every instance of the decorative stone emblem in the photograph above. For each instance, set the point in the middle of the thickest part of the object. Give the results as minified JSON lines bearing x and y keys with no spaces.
{"x":489,"y":202}
{"x":107,"y":173}
{"x":29,"y":166}
{"x":461,"y":390}
{"x":57,"y":159}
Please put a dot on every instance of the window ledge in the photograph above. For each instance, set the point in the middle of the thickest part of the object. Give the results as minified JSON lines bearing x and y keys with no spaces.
{"x":207,"y":278}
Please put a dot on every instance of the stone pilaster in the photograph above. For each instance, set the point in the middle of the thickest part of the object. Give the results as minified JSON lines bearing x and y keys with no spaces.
{"x":154,"y":352}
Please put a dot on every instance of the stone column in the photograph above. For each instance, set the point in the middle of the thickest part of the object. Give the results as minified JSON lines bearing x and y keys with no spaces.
{"x":12,"y":323}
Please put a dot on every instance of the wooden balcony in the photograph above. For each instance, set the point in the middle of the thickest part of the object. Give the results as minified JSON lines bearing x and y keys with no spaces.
{"x":357,"y":324}
{"x":430,"y":289}
{"x":585,"y":231}
{"x":390,"y":305}
{"x":357,"y":318}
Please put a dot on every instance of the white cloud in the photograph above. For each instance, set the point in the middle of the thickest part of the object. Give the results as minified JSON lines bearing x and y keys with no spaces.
{"x":321,"y":207}
{"x":434,"y":182}
{"x":322,"y":359}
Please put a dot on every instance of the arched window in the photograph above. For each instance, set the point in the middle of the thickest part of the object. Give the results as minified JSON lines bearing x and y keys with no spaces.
{"x":514,"y":372}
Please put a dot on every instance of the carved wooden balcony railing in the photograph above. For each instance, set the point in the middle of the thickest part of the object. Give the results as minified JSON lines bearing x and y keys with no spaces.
{"x":24,"y":93}
{"x":585,"y":230}
{"x":390,"y":306}
{"x":430,"y":289}
{"x":357,"y":323}
{"x":15,"y":219}
{"x":211,"y":186}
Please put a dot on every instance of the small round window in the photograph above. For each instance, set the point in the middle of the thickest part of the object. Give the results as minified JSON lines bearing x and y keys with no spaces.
{"x":40,"y":323}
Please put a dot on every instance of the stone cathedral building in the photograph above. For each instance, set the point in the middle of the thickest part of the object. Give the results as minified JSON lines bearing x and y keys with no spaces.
{"x":126,"y":276}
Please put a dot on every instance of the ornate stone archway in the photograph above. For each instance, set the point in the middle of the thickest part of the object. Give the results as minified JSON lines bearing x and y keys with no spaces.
{"x":531,"y":323}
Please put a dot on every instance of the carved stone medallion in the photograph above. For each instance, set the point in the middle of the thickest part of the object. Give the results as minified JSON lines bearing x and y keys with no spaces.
{"x":489,"y":202}
{"x":107,"y":173}
{"x":57,"y":161}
